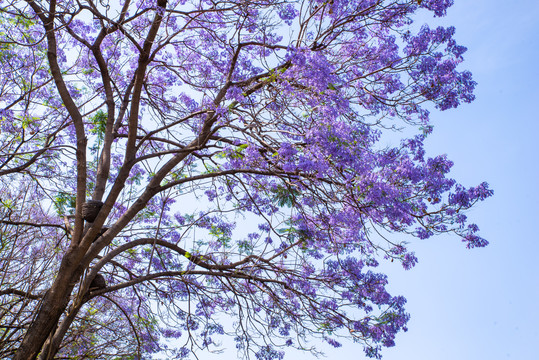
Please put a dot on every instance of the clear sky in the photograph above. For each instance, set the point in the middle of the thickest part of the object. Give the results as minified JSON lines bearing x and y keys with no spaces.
{"x":481,"y":303}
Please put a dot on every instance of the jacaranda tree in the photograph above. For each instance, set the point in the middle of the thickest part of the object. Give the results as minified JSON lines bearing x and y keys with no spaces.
{"x":168,"y":165}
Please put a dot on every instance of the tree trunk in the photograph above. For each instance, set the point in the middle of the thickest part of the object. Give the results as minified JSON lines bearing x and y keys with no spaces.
{"x":53,"y":305}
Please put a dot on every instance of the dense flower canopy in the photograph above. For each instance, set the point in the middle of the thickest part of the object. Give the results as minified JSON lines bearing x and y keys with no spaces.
{"x":236,"y":148}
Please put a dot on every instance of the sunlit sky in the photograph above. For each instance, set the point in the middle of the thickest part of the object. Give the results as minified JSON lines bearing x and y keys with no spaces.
{"x":481,"y":303}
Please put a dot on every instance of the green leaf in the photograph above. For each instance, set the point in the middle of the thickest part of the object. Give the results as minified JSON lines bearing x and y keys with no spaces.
{"x":100,"y":123}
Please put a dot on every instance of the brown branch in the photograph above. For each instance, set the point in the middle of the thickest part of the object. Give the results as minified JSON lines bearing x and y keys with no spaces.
{"x":20,"y":293}
{"x":26,"y":223}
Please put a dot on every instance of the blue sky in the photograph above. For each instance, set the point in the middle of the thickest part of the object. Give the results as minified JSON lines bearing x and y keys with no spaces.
{"x":481,"y":303}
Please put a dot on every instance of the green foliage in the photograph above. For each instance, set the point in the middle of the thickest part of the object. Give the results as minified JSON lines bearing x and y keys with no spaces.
{"x":237,"y":153}
{"x":245,"y":247}
{"x":285,"y":196}
{"x":293,"y":232}
{"x":220,"y":235}
{"x":64,"y":202}
{"x":7,"y":203}
{"x":99,"y":120}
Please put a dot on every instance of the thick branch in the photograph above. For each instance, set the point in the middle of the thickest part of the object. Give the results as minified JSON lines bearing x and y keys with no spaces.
{"x":20,"y":293}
